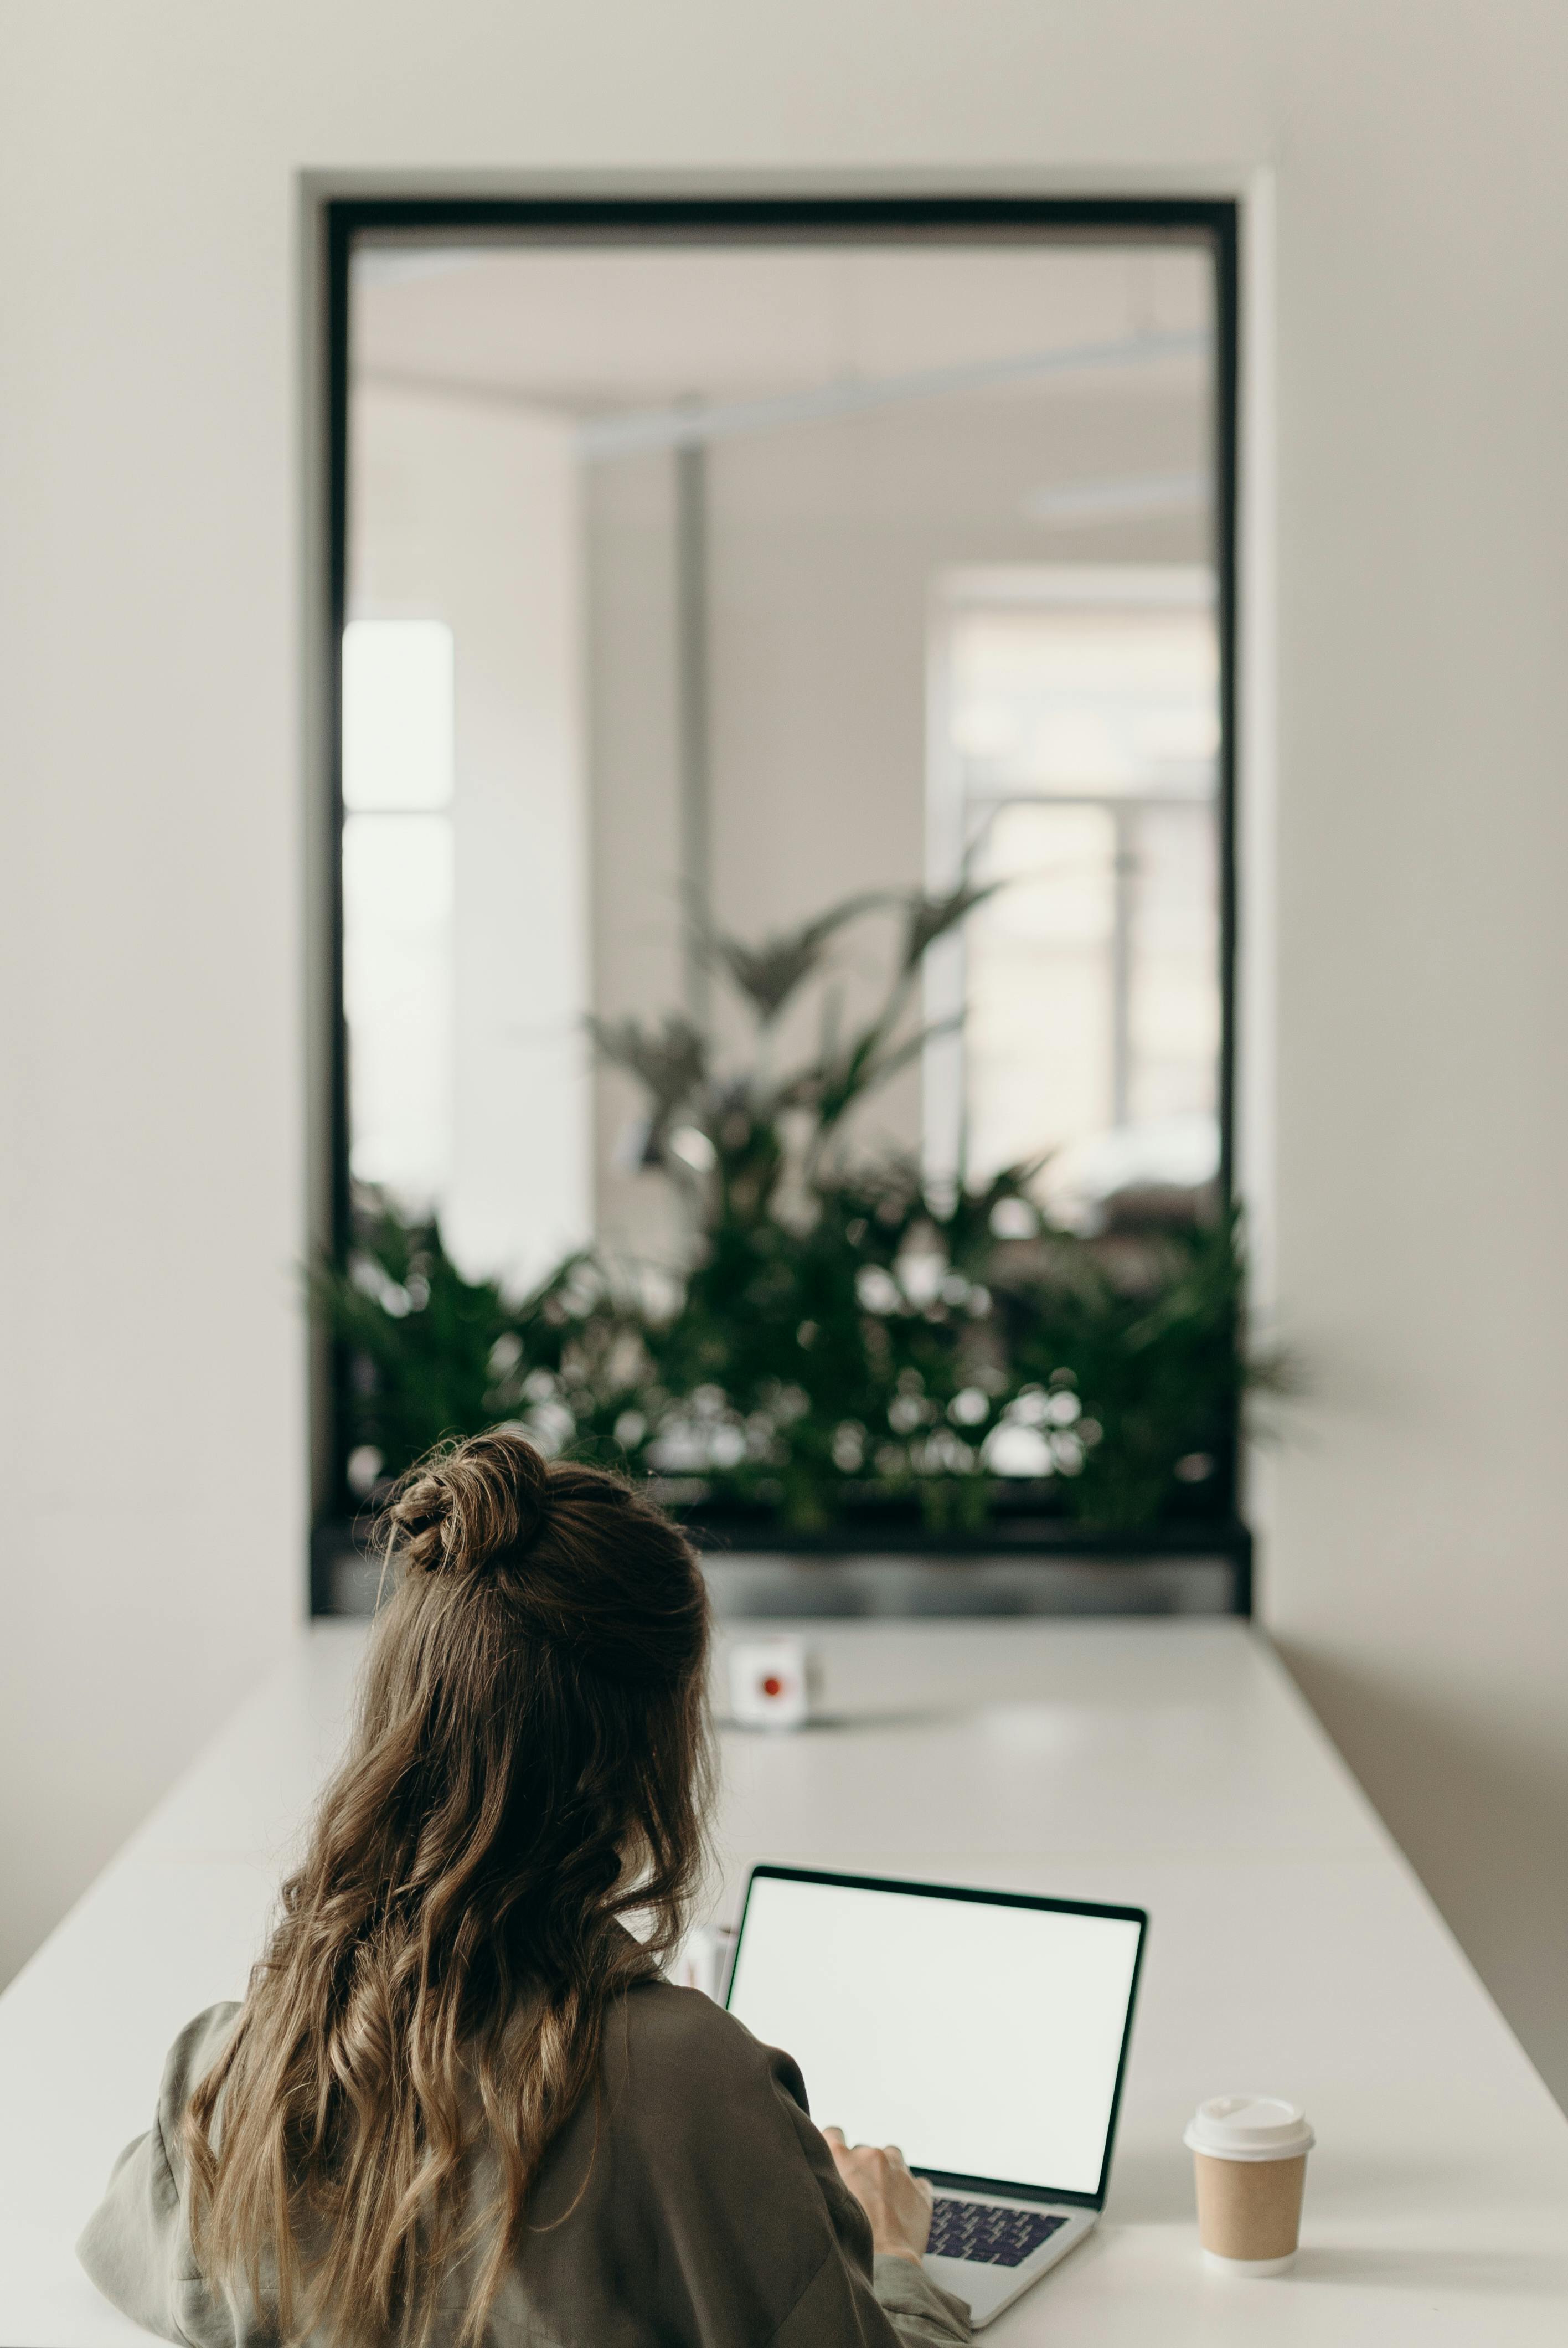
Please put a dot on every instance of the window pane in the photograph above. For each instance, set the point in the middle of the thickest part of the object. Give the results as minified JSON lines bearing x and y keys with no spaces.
{"x":397,"y":987}
{"x":1106,"y":702}
{"x":397,"y":720}
{"x":1174,"y":1010}
{"x":1038,"y":1038}
{"x":1082,"y":728}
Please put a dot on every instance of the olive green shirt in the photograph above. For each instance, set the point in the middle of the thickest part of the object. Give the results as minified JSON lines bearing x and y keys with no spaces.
{"x":711,"y":2215}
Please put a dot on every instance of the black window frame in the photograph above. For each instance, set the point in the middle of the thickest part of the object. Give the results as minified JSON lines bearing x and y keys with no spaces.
{"x":728,"y":219}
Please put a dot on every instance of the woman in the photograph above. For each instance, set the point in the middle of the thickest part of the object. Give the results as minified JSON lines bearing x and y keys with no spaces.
{"x":458,"y":2103}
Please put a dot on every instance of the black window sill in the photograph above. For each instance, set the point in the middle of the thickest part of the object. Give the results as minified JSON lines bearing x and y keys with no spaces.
{"x":885,"y":1561}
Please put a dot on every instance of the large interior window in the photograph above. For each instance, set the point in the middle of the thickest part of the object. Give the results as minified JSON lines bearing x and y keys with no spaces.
{"x":700,"y":566}
{"x":1075,"y":771}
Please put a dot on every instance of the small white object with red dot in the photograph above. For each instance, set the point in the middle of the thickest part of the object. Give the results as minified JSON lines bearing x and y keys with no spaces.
{"x":770,"y":1683}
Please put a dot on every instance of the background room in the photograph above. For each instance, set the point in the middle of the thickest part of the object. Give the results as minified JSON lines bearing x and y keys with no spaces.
{"x":725,"y":603}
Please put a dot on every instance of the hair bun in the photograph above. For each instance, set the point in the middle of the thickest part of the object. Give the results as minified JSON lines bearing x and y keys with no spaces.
{"x":575,"y":1559}
{"x":461,"y":1507}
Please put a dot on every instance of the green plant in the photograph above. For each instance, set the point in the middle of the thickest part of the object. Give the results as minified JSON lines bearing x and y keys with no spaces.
{"x":840,"y":1332}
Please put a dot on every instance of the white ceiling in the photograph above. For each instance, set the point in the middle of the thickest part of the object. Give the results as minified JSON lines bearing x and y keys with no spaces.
{"x":589,"y":329}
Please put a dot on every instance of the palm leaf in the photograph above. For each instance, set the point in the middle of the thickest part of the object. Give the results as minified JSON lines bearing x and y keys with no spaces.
{"x":927,"y":918}
{"x":670,"y":1062}
{"x":770,"y":972}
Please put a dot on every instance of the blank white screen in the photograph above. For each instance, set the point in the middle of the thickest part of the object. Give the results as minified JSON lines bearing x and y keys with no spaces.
{"x":981,"y":2040}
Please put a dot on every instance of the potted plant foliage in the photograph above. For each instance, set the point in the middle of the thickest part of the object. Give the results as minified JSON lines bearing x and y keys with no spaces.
{"x":843,"y":1345}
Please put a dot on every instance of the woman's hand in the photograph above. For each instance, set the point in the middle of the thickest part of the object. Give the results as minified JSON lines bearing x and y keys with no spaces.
{"x":899,"y":2205}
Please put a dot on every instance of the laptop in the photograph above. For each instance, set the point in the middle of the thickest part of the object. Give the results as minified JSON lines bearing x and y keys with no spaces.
{"x":984,"y":2033}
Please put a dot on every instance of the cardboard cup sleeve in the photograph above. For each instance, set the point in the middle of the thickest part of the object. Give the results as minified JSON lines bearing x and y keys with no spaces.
{"x":1249,"y":2158}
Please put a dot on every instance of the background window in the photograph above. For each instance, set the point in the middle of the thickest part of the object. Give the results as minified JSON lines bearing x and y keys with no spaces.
{"x":703,"y":578}
{"x":1075,"y":769}
{"x":397,"y":758}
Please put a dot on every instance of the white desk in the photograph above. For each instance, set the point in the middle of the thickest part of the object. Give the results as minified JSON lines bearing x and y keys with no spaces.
{"x":1169,"y":1764}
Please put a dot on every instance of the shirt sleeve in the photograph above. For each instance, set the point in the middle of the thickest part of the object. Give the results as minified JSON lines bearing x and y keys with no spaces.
{"x":135,"y":2246}
{"x":840,"y":2308}
{"x":912,"y":2309}
{"x":918,"y":2309}
{"x":856,"y":2300}
{"x":130,"y":2247}
{"x":750,"y":2237}
{"x":846,"y":2309}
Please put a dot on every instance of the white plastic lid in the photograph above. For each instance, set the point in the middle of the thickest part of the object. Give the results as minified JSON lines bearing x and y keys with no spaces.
{"x":1249,"y":2127}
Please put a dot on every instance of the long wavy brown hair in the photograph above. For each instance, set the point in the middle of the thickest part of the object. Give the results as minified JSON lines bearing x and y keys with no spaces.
{"x":530,"y":1765}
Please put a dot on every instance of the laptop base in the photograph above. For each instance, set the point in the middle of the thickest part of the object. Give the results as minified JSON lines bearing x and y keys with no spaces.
{"x":988,"y":2289}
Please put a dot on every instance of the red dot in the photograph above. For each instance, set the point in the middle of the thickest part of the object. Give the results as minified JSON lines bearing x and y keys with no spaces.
{"x":772,"y":1684}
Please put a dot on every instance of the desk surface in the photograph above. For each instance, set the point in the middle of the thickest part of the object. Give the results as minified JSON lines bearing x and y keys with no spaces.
{"x":1168,"y":1765}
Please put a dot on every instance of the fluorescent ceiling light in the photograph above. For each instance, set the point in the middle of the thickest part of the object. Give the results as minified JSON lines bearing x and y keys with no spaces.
{"x":691,"y":424}
{"x":1071,"y":503}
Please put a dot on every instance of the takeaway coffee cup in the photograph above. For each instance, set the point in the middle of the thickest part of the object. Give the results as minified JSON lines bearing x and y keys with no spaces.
{"x":1249,"y":2153}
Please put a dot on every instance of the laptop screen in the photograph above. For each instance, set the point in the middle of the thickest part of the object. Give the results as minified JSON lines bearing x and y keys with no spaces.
{"x":983,"y":2033}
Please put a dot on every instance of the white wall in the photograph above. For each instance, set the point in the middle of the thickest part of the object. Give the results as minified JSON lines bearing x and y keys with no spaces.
{"x":153,"y":818}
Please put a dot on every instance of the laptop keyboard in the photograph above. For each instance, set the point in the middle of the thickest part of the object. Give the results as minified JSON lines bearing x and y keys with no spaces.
{"x":987,"y":2236}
